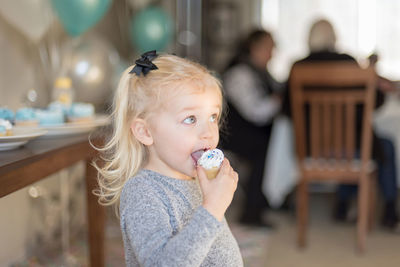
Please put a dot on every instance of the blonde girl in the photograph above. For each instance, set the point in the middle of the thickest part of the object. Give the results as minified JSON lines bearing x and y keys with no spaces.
{"x":166,"y":112}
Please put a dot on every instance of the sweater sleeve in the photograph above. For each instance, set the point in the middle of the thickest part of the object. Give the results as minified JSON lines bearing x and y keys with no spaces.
{"x":149,"y":233}
{"x":248,"y":98}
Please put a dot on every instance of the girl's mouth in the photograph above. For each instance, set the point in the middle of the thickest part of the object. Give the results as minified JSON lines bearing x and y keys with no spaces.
{"x":197,"y":154}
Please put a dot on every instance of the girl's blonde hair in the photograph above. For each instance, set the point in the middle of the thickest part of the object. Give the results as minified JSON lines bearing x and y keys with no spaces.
{"x":138,"y":97}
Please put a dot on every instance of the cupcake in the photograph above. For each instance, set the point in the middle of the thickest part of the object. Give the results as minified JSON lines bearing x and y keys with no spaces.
{"x":6,"y":114}
{"x":26,"y":117}
{"x":211,"y":162}
{"x":48,"y":117}
{"x":80,"y":112}
{"x":57,"y":105}
{"x":5,"y":128}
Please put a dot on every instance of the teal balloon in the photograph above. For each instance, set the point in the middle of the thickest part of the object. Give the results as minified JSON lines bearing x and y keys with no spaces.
{"x":151,"y":29}
{"x":77,"y":16}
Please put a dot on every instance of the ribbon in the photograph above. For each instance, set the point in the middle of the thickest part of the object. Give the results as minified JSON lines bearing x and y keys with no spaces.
{"x":144,"y":64}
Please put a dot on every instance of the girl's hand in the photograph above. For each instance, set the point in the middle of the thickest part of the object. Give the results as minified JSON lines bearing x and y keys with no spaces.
{"x":218,"y":192}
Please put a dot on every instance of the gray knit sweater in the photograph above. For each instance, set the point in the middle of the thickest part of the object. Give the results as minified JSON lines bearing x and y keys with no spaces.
{"x":164,"y":224}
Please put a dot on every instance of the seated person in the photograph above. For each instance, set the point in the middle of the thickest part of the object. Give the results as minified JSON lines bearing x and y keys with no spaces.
{"x":251,"y":94}
{"x":322,"y":45}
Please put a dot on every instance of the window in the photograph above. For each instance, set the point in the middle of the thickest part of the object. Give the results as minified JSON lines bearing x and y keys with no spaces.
{"x":362,"y":27}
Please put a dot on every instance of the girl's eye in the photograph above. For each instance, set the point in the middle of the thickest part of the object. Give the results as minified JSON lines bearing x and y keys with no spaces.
{"x":214,"y":118}
{"x":190,"y":120}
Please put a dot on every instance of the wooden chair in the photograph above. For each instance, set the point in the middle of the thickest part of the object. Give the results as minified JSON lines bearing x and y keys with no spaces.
{"x":325,"y":98}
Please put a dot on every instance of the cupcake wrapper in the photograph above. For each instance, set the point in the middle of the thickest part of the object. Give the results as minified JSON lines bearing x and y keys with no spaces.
{"x":212,"y":173}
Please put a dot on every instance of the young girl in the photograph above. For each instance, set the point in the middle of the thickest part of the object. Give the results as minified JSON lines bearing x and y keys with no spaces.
{"x":166,"y":110}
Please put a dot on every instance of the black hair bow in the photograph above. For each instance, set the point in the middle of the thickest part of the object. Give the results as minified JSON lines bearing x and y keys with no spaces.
{"x":144,"y":64}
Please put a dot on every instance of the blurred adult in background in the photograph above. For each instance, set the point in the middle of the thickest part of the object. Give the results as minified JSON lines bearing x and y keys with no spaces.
{"x":384,"y":84}
{"x":322,"y":45}
{"x":252,"y":98}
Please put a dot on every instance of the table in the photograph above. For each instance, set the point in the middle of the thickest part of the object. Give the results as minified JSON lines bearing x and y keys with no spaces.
{"x":40,"y":158}
{"x":281,"y":172}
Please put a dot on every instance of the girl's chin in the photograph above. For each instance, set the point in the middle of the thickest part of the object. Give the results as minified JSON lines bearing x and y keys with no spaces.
{"x":193,"y":173}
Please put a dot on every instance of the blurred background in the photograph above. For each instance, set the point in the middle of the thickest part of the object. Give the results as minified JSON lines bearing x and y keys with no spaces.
{"x":93,"y":41}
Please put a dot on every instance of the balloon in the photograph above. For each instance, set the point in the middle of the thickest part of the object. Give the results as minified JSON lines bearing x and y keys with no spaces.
{"x":77,"y":16}
{"x":151,"y":29}
{"x":32,"y":17}
{"x":90,"y":62}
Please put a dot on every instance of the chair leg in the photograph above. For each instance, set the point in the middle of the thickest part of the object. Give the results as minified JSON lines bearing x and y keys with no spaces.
{"x":362,"y":222}
{"x":302,"y":213}
{"x":372,"y":201}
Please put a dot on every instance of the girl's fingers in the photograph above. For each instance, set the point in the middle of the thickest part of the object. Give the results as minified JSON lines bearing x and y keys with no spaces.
{"x":235,"y":176}
{"x":225,"y":170}
{"x":225,"y":166}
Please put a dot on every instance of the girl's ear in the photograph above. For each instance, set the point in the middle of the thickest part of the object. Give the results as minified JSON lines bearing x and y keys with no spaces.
{"x":141,"y":131}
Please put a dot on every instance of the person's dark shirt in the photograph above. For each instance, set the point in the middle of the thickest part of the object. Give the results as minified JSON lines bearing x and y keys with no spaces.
{"x":327,"y":56}
{"x":323,"y":56}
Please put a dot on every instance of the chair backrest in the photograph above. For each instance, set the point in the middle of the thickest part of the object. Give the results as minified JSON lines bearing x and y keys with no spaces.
{"x":326,"y":100}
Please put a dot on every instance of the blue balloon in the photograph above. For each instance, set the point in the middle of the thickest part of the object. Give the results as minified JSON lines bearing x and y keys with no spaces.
{"x":77,"y":16}
{"x":151,"y":29}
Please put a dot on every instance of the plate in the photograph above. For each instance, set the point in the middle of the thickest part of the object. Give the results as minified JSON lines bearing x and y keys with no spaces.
{"x":73,"y":128}
{"x":20,"y":137}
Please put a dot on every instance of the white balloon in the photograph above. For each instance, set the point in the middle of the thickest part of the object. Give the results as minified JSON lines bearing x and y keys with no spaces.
{"x":32,"y":17}
{"x":90,"y":62}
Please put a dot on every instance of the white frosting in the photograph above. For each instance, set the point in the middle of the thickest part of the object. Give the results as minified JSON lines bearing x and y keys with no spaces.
{"x":211,"y":159}
{"x":6,"y":124}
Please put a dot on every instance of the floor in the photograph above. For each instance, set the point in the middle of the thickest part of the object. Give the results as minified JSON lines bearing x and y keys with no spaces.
{"x":329,"y":243}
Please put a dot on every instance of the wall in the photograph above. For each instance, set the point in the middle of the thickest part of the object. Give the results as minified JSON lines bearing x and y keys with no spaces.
{"x":225,"y":22}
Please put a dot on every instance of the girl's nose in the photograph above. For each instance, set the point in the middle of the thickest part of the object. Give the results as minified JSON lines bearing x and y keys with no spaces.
{"x":207,"y":131}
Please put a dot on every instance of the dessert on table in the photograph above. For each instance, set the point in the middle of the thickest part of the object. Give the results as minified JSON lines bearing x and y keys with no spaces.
{"x":6,"y":114}
{"x":5,"y":128}
{"x":49,"y":117}
{"x":26,"y":117}
{"x":80,"y":112}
